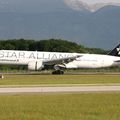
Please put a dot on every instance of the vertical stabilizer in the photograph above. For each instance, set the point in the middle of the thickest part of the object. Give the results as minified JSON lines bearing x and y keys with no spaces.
{"x":115,"y":51}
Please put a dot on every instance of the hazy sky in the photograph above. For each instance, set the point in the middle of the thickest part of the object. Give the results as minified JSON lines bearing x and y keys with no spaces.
{"x":30,"y":5}
{"x":43,"y":5}
{"x":100,"y":27}
{"x":6,"y":2}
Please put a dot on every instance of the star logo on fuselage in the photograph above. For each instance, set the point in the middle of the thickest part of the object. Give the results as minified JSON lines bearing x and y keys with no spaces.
{"x":118,"y":50}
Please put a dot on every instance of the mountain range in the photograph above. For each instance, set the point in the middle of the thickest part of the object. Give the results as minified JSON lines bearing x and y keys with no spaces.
{"x":91,"y":5}
{"x":57,"y":20}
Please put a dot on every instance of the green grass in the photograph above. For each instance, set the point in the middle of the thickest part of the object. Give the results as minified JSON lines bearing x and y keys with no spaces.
{"x":89,"y":106}
{"x":51,"y":80}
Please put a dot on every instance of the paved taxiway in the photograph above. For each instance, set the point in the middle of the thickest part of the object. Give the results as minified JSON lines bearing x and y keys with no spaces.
{"x":60,"y":89}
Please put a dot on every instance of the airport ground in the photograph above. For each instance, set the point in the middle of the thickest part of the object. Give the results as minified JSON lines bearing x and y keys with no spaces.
{"x":59,"y":80}
{"x":77,"y":106}
{"x":60,"y":106}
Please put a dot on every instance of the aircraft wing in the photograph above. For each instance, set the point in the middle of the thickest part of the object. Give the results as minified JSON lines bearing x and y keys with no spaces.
{"x":61,"y":60}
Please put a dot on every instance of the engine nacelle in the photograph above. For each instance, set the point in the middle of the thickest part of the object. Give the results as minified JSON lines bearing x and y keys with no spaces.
{"x":35,"y":65}
{"x":59,"y":66}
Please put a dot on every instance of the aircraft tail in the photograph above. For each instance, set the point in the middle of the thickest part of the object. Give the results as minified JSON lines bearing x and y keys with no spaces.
{"x":115,"y":51}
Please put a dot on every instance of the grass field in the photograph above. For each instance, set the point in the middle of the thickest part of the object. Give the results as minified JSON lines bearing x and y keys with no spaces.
{"x":79,"y":106}
{"x":89,"y":106}
{"x":51,"y":80}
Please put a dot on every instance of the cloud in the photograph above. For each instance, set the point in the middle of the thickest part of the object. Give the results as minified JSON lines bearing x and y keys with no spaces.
{"x":90,"y":5}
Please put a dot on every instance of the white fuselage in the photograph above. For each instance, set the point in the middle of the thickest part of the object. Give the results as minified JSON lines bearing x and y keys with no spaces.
{"x":84,"y":61}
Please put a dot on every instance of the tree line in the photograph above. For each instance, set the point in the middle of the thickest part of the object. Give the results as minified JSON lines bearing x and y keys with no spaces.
{"x":51,"y":45}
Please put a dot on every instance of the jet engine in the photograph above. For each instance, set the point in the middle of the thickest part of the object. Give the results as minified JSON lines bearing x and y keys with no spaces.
{"x":59,"y":66}
{"x":35,"y":65}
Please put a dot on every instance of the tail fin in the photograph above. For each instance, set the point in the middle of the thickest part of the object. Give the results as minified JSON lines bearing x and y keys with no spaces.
{"x":115,"y":51}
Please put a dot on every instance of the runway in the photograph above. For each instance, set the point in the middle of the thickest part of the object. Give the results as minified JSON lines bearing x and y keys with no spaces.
{"x":60,"y":89}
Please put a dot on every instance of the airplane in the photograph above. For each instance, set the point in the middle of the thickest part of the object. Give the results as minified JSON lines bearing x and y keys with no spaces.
{"x":59,"y":60}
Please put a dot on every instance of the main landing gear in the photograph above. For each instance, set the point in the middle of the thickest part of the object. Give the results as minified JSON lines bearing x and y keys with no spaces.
{"x":58,"y":72}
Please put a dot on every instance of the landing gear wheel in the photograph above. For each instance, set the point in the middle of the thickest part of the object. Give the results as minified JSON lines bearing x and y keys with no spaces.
{"x":58,"y":72}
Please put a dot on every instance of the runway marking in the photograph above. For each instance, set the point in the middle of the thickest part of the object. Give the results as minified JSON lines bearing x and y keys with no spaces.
{"x":61,"y":89}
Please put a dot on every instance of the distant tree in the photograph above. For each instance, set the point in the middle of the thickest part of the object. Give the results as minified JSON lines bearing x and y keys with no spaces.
{"x":52,"y":45}
{"x":9,"y":47}
{"x":96,"y":51}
